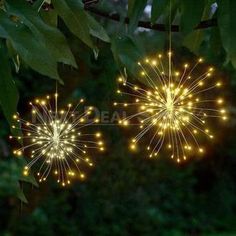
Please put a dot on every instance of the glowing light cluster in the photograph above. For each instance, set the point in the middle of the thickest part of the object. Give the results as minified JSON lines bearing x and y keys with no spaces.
{"x":172,"y":107}
{"x":56,"y":138}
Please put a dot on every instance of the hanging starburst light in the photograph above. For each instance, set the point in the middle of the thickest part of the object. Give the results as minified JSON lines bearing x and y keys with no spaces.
{"x":57,"y":140}
{"x":173,"y":108}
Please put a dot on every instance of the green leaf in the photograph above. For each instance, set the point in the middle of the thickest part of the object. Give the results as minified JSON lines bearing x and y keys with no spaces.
{"x":171,"y":12}
{"x":8,"y":92}
{"x":20,"y":194}
{"x":194,"y":40}
{"x":31,"y":50}
{"x":126,"y":53}
{"x":97,"y":30}
{"x":51,"y":37}
{"x":75,"y":18}
{"x":38,"y":4}
{"x":215,"y":44}
{"x":227,"y":23}
{"x":50,"y":17}
{"x":135,"y":11}
{"x":158,"y":7}
{"x":191,"y":14}
{"x":11,"y":177}
{"x":29,"y":178}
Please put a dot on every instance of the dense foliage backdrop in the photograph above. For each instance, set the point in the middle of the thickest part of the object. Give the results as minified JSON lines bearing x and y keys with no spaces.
{"x":126,"y":193}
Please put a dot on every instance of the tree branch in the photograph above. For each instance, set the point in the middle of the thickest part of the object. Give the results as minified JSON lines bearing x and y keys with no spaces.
{"x":148,"y":25}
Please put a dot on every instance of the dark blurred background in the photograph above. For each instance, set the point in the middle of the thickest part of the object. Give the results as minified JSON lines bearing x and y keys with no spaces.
{"x":125,"y":194}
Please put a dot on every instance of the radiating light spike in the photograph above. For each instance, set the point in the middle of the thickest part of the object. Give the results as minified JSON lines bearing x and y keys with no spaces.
{"x":172,"y":106}
{"x":56,"y":139}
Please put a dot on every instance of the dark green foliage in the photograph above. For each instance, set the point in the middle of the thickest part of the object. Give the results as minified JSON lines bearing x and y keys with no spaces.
{"x":125,"y":194}
{"x":126,"y":53}
{"x":226,"y":25}
{"x":135,"y":11}
{"x":8,"y":95}
{"x":158,"y":7}
{"x":192,"y":11}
